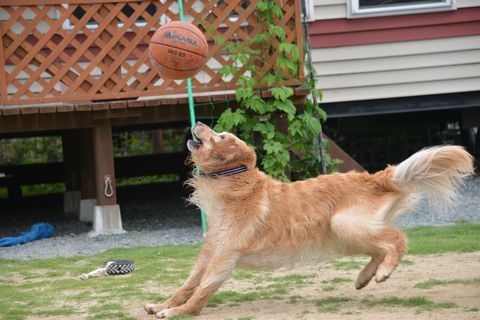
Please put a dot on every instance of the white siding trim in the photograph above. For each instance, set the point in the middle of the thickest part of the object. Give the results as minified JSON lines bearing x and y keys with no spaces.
{"x":402,"y":90}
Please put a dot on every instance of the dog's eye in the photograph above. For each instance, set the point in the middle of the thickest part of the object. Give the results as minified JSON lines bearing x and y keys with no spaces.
{"x":223,"y":136}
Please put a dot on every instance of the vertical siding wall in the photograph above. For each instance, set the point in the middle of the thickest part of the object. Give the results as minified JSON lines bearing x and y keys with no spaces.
{"x":386,"y":57}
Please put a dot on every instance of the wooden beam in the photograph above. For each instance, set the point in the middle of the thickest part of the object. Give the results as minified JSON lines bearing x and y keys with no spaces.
{"x":71,"y":159}
{"x":349,"y":163}
{"x":104,"y":166}
{"x":87,"y":168}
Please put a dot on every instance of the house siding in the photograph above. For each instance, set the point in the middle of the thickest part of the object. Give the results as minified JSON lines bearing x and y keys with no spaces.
{"x":395,"y":56}
{"x":398,"y":69}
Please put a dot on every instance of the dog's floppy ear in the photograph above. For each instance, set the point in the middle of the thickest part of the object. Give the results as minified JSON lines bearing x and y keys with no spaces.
{"x":212,"y":141}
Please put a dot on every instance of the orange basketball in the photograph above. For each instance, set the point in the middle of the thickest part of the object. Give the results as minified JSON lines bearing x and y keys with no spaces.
{"x":178,"y":50}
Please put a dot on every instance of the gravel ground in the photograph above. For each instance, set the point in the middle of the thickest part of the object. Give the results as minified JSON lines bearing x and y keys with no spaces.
{"x":158,"y":215}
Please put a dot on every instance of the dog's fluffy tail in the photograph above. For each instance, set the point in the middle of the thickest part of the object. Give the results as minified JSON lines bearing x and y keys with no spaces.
{"x":435,"y":172}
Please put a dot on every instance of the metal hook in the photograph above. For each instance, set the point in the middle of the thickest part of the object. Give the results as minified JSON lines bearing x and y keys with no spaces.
{"x":108,"y":187}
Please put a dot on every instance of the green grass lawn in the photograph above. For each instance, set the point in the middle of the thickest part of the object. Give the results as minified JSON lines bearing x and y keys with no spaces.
{"x":51,"y":287}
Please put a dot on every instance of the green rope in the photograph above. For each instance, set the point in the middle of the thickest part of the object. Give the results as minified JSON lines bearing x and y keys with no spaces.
{"x":191,"y":106}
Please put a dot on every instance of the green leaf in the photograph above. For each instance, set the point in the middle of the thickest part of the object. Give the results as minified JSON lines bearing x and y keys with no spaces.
{"x":229,"y":120}
{"x":269,"y":79}
{"x":272,"y":147}
{"x":296,"y":128}
{"x":290,"y":49}
{"x":243,"y":93}
{"x":227,"y":70}
{"x":323,"y":115}
{"x":313,"y":124}
{"x":220,"y":40}
{"x":286,"y":106}
{"x":282,"y":93}
{"x":259,"y":38}
{"x":277,"y":12}
{"x":277,"y":31}
{"x":262,"y":6}
{"x":256,"y":104}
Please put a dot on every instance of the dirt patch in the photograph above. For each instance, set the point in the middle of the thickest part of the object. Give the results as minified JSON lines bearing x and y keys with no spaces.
{"x":327,"y":292}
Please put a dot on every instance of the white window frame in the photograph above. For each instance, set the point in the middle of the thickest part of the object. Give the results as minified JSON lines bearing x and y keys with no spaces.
{"x":354,"y":10}
{"x":309,"y":10}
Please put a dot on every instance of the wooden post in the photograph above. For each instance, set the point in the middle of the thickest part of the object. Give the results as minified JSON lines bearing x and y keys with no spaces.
{"x":87,"y":173}
{"x":107,"y":217}
{"x":158,"y":142}
{"x":71,"y":153}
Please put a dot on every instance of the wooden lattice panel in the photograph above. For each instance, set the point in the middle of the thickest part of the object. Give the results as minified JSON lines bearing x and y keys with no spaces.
{"x":78,"y":50}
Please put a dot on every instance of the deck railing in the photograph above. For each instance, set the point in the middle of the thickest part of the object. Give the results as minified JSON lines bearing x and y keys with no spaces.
{"x":79,"y":50}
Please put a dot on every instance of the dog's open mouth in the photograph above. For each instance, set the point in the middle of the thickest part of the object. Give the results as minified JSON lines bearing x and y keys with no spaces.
{"x":195,"y":143}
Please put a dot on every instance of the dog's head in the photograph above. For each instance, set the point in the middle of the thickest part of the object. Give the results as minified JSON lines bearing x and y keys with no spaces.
{"x":218,"y":151}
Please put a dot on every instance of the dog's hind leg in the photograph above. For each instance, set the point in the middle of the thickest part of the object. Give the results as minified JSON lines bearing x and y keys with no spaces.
{"x":360,"y":233}
{"x":185,"y":292}
{"x":393,"y":243}
{"x":369,"y":271}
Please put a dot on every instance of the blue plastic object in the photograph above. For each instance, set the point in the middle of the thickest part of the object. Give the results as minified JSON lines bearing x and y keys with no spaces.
{"x":39,"y":231}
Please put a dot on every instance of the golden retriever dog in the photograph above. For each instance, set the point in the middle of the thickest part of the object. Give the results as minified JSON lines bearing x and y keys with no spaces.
{"x":255,"y":221}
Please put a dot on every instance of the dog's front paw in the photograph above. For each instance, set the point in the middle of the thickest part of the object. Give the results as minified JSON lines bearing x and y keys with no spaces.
{"x":167,"y":313}
{"x":382,"y":274}
{"x":152,"y":308}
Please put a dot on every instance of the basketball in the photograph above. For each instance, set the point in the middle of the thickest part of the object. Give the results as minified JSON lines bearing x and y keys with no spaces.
{"x":178,"y":50}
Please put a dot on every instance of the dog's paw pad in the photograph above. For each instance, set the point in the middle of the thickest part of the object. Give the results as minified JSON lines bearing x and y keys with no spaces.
{"x":164,"y":314}
{"x":149,"y":307}
{"x":382,"y":276}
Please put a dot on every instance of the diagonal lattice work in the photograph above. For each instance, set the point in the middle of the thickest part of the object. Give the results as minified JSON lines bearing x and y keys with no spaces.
{"x":78,"y":50}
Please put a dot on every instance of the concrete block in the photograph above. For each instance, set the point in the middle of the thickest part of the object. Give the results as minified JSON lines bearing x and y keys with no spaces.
{"x":71,"y":203}
{"x":107,"y":220}
{"x":87,"y":207}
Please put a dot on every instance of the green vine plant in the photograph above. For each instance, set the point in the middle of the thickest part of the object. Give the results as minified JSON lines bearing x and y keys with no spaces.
{"x":294,"y":152}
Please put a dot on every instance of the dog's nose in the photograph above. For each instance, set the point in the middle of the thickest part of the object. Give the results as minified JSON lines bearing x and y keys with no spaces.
{"x":198,"y":123}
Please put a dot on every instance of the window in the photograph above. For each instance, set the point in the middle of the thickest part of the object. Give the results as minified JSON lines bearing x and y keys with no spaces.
{"x":372,"y":8}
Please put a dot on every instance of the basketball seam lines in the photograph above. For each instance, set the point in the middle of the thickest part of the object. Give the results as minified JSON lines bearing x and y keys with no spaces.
{"x":167,"y":45}
{"x":190,"y":30}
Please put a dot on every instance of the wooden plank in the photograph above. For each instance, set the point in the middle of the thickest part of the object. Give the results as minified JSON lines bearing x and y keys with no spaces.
{"x":47,"y":109}
{"x":29,"y":110}
{"x":118,"y":105}
{"x":349,"y":163}
{"x":10,"y":111}
{"x":65,"y":108}
{"x":136,"y":103}
{"x":85,"y":106}
{"x":3,"y":74}
{"x":201,"y":99}
{"x":153,"y":102}
{"x":169,"y":101}
{"x":100,"y":106}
